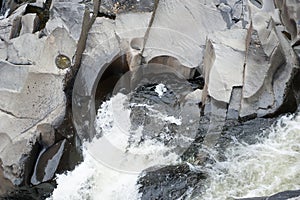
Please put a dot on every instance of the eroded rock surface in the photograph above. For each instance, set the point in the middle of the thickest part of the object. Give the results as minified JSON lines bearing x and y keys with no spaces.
{"x":31,"y":90}
{"x":248,"y":53}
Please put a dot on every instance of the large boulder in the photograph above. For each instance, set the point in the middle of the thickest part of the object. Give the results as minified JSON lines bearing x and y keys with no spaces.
{"x":170,"y":182}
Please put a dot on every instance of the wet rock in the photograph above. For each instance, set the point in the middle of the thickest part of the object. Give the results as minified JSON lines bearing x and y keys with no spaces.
{"x":235,"y":104}
{"x":170,"y":182}
{"x":102,"y":39}
{"x":167,"y":117}
{"x":223,"y":69}
{"x":47,"y":163}
{"x":112,"y":38}
{"x":247,"y":132}
{"x":180,"y":28}
{"x":216,"y":111}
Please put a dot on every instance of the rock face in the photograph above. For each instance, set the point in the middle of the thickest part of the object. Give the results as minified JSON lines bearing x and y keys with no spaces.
{"x":248,"y":53}
{"x":112,"y":39}
{"x":182,"y":28}
{"x":171,"y":182}
{"x":31,"y":90}
{"x":264,"y":67}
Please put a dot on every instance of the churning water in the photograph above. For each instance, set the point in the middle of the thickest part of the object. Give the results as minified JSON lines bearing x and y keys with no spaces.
{"x":112,"y":175}
{"x":269,"y":166}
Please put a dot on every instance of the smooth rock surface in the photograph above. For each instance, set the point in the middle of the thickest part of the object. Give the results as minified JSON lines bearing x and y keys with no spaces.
{"x":29,"y":23}
{"x":269,"y":69}
{"x":182,"y":28}
{"x":131,"y":29}
{"x":101,"y":48}
{"x":47,"y":163}
{"x":247,"y":59}
{"x":224,"y":63}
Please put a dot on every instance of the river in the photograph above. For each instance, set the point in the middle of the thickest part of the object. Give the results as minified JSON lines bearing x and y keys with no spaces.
{"x":110,"y":172}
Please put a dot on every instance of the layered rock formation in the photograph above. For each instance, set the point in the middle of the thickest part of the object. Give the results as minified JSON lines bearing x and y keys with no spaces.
{"x":248,"y":53}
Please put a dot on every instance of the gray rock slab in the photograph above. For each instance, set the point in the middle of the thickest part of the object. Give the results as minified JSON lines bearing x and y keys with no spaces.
{"x":179,"y":30}
{"x":68,"y":15}
{"x":28,"y":22}
{"x":223,"y":65}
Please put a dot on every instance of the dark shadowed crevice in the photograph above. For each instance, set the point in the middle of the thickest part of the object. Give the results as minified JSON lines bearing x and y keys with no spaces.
{"x":291,"y":97}
{"x":42,"y":13}
{"x":109,"y":79}
{"x":107,"y":15}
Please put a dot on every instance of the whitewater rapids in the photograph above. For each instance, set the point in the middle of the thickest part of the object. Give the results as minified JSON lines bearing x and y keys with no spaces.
{"x":267,"y":167}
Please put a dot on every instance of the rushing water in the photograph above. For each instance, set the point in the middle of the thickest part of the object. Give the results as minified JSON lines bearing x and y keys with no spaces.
{"x":99,"y":177}
{"x":269,"y":166}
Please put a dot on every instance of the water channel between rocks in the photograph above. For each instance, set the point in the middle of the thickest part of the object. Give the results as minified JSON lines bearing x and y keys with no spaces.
{"x":125,"y":146}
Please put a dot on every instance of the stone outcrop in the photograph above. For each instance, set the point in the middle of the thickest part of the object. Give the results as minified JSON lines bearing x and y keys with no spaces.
{"x":265,"y":68}
{"x":31,"y":93}
{"x":182,"y":28}
{"x":248,"y":53}
{"x":112,"y":39}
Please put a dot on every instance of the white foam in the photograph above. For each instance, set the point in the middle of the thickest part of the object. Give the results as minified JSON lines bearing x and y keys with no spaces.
{"x":261,"y":169}
{"x":160,"y":89}
{"x":110,"y":168}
